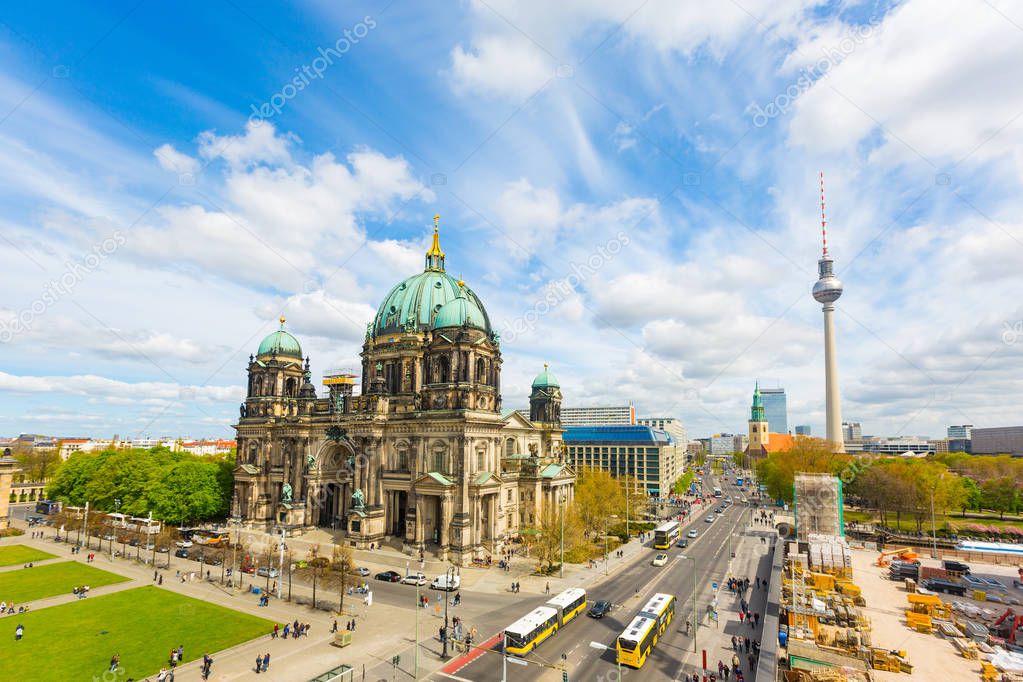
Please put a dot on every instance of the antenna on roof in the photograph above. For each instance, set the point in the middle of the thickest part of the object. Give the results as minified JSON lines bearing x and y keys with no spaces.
{"x":824,"y":221}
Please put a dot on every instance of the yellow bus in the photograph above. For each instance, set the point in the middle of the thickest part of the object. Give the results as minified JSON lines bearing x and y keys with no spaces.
{"x":568,"y":604}
{"x":639,"y":638}
{"x":528,"y":632}
{"x":666,"y":534}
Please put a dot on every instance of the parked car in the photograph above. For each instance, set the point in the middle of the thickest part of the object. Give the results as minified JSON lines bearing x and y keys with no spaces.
{"x":361,"y":570}
{"x":660,"y":560}
{"x":163,"y":550}
{"x":683,"y":543}
{"x":248,"y":569}
{"x":446,"y":583}
{"x":267,"y":572}
{"x":692,"y":533}
{"x":388,"y":576}
{"x":181,"y":553}
{"x":599,"y":609}
{"x":183,"y":543}
{"x":414,"y":579}
{"x":214,"y":561}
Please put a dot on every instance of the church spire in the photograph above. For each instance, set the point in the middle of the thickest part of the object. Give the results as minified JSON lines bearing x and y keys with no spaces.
{"x":435,"y":257}
{"x":757,"y":409}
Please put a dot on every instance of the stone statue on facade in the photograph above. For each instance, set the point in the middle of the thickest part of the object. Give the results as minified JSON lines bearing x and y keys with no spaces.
{"x":310,"y":461}
{"x":286,"y":493}
{"x":358,"y":499}
{"x":241,"y":410}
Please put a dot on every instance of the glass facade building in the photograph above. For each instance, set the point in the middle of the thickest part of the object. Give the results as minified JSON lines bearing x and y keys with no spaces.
{"x":652,"y":457}
{"x":775,"y":409}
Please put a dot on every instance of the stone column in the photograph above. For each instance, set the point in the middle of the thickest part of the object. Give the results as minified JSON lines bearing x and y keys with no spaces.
{"x":445,"y":520}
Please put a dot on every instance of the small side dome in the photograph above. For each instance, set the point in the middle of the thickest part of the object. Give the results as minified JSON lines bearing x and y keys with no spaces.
{"x":545,"y":379}
{"x":280,"y":342}
{"x":460,"y":311}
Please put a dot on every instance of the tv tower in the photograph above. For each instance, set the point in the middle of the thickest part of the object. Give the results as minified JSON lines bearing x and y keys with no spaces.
{"x":826,"y":291}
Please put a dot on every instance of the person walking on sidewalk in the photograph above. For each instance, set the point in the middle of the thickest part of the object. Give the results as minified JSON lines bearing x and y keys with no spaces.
{"x":547,"y":589}
{"x":266,"y":662}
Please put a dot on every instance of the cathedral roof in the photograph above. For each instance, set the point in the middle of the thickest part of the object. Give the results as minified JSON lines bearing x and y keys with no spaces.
{"x":416,"y":303}
{"x":280,"y":342}
{"x":546,"y":379}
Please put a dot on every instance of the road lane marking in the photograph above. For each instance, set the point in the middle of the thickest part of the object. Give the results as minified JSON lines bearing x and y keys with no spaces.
{"x":453,"y":677}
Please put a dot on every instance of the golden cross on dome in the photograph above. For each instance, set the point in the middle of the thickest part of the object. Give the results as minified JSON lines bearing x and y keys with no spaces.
{"x":436,"y":221}
{"x":282,"y":320}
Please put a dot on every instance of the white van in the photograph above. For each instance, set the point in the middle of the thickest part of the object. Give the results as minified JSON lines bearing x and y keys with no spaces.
{"x":446,"y":583}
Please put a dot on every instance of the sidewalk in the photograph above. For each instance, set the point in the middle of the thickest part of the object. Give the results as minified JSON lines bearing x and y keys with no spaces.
{"x":714,"y":637}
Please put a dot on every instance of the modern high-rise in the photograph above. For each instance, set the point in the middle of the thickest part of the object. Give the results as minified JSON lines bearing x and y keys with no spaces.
{"x":803,"y":430}
{"x":962,"y":431}
{"x":613,"y":415}
{"x":852,"y":432}
{"x":775,"y":409}
{"x":651,"y":456}
{"x":721,"y":444}
{"x":999,"y":440}
{"x":669,"y":425}
{"x":826,"y":291}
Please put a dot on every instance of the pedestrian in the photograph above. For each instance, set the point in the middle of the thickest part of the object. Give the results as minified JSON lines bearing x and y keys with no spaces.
{"x":160,"y":581}
{"x":114,"y":660}
{"x":547,"y":589}
{"x":756,"y":618}
{"x":19,"y":632}
{"x":735,"y":662}
{"x":155,"y":574}
{"x":742,"y":615}
{"x":333,"y":628}
{"x":275,"y":633}
{"x":259,"y":664}
{"x":745,"y":643}
{"x":266,"y":661}
{"x":734,"y":641}
{"x":287,"y":628}
{"x":750,"y":660}
{"x":353,"y":625}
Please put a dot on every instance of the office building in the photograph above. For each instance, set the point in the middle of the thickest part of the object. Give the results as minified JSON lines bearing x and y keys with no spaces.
{"x":614,"y":415}
{"x":902,"y":445}
{"x":669,"y":425}
{"x":775,"y":409}
{"x":652,"y":457}
{"x":961,"y":432}
{"x":852,"y":432}
{"x":803,"y":430}
{"x":1001,"y":440}
{"x":721,"y":444}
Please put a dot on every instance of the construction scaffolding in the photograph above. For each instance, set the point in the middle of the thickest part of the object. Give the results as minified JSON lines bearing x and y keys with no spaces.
{"x":817,"y":500}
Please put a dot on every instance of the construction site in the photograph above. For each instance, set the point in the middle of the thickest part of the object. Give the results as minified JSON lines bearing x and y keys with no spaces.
{"x":903,"y":616}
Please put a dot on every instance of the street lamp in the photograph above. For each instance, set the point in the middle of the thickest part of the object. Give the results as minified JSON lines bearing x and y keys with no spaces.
{"x":696,"y":623}
{"x":598,"y":645}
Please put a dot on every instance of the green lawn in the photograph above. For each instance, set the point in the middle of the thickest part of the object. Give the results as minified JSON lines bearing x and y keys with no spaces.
{"x":20,"y":554}
{"x":908,"y":522}
{"x":39,"y":582}
{"x":75,"y":641}
{"x":682,"y":484}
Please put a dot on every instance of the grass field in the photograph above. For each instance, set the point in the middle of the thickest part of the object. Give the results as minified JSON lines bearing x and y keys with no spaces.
{"x":39,"y":582}
{"x":20,"y":554}
{"x":75,"y":641}
{"x":908,"y":522}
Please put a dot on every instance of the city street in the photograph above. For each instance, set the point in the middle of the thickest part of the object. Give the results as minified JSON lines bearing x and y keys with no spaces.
{"x":628,"y":590}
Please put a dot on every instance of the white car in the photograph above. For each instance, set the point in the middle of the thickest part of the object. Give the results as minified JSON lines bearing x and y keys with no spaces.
{"x":362,"y":570}
{"x":414,"y":579}
{"x":267,"y":572}
{"x":660,"y":560}
{"x":184,"y":543}
{"x":709,"y":519}
{"x":692,"y":534}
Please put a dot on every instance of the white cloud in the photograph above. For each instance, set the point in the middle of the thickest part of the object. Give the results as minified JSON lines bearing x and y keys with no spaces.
{"x":259,"y":144}
{"x":172,"y":160}
{"x":507,"y":66}
{"x":92,"y":386}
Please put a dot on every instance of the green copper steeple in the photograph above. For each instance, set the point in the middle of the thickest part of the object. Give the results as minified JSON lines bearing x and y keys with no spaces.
{"x":757,"y":411}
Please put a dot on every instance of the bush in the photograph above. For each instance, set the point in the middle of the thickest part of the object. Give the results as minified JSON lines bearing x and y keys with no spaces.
{"x":11,"y":532}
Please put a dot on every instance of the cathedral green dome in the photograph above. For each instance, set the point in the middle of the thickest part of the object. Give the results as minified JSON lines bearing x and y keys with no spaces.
{"x":280,"y":342}
{"x":416,"y":303}
{"x":545,"y":379}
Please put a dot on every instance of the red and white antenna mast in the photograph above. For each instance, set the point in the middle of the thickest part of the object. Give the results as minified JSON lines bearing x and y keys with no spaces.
{"x":824,"y":221}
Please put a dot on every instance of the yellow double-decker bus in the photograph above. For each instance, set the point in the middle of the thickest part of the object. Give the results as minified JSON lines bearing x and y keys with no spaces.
{"x":666,"y":534}
{"x":639,"y":638}
{"x":568,"y":604}
{"x":528,"y":632}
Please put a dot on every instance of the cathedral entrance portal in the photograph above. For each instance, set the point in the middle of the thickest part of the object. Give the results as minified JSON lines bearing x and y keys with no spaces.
{"x":398,"y":515}
{"x":329,"y":516}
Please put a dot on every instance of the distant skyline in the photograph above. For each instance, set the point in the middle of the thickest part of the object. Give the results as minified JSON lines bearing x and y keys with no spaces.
{"x":632,"y":192}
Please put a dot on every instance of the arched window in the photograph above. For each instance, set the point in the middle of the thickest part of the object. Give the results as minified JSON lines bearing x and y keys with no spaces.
{"x":290,"y":388}
{"x":481,"y":460}
{"x":443,"y":369}
{"x":481,"y":371}
{"x":509,"y":447}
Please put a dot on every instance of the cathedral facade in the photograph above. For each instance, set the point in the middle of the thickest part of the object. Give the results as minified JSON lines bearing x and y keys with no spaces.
{"x":424,"y":457}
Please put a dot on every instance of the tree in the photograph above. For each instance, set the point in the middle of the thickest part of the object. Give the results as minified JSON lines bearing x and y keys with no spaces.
{"x":972,"y":497}
{"x":598,"y":496}
{"x":38,"y":464}
{"x":343,"y":563}
{"x":778,"y":470}
{"x":1000,"y":494}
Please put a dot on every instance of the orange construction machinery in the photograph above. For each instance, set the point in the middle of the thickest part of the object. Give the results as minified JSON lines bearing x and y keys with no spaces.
{"x":1007,"y":625}
{"x":903,"y":554}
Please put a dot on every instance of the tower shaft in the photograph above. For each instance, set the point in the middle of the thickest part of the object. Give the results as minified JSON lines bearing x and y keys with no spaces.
{"x":832,"y":396}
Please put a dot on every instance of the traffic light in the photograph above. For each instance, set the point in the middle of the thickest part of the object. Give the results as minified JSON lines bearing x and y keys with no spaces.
{"x":564,"y":676}
{"x":396,"y":661}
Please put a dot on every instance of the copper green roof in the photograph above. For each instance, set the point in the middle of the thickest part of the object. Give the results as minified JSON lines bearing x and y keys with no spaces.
{"x":551,"y":471}
{"x":482,"y":477}
{"x":460,"y":311}
{"x":439,"y":478}
{"x":545,"y":379}
{"x":413,"y":304}
{"x":280,"y":342}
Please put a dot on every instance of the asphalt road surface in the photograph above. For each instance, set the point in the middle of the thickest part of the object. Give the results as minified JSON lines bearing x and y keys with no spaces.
{"x":628,"y":590}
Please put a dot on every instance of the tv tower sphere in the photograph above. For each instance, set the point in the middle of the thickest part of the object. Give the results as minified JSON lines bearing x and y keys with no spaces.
{"x":828,"y":288}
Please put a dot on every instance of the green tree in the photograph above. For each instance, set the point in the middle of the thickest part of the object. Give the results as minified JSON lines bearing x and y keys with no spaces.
{"x":1000,"y":494}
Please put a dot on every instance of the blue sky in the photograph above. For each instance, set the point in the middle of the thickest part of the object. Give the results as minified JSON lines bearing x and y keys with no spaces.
{"x":632,"y":189}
